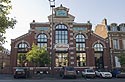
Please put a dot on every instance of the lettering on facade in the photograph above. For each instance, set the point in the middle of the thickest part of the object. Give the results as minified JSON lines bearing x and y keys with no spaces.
{"x":61,"y":47}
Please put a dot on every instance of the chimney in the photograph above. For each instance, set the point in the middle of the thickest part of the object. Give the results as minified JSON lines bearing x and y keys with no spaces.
{"x":104,"y":21}
{"x":33,"y":20}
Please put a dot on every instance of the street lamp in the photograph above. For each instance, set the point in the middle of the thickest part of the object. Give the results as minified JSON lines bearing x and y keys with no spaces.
{"x":52,"y":5}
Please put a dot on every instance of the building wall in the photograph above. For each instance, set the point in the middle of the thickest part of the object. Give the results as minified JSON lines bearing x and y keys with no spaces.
{"x":115,"y":34}
{"x":4,"y":61}
{"x":101,"y":29}
{"x":73,"y":30}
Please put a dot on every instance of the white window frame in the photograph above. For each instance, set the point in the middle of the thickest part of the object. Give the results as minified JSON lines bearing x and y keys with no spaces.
{"x":115,"y":43}
{"x":123,"y":42}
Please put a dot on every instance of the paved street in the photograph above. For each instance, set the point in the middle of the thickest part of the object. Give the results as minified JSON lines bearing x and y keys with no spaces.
{"x":9,"y":78}
{"x":66,"y":80}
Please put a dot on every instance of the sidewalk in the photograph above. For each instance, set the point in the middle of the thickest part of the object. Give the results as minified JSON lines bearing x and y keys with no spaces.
{"x":35,"y":77}
{"x":6,"y":76}
{"x":46,"y":76}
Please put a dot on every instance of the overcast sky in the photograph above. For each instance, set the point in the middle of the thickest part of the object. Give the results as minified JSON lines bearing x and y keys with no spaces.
{"x":84,"y":10}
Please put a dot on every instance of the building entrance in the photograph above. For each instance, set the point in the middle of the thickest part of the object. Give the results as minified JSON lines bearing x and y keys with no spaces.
{"x":99,"y":61}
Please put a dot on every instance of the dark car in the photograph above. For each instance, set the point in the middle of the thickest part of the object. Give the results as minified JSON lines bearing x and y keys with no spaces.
{"x":20,"y":73}
{"x":115,"y":72}
{"x":118,"y":73}
{"x":68,"y":72}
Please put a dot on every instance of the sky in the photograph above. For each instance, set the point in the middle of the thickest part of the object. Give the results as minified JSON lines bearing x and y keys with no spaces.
{"x":25,"y":11}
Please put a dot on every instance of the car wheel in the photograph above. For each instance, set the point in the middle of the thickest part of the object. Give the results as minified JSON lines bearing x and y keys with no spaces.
{"x":101,"y":76}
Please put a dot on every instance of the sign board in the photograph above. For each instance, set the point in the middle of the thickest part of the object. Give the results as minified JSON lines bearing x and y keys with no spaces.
{"x":61,"y":47}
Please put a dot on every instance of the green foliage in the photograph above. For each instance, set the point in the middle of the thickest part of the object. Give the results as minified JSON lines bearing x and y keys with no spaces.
{"x":122,"y":59}
{"x":5,"y":21}
{"x":32,"y":54}
{"x":38,"y":56}
{"x":21,"y":58}
{"x":44,"y":57}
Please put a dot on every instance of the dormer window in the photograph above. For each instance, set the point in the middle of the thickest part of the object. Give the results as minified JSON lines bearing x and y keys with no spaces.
{"x":114,"y":29}
{"x":122,"y":27}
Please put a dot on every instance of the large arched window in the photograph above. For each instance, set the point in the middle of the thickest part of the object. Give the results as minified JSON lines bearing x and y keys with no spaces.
{"x":80,"y":42}
{"x":98,"y":48}
{"x":61,"y":37}
{"x":42,"y":40}
{"x":61,"y":34}
{"x":80,"y":50}
{"x":22,"y":47}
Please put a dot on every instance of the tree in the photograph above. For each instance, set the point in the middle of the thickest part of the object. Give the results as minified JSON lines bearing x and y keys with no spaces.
{"x":38,"y":56}
{"x":5,"y":21}
{"x":44,"y":57}
{"x":122,"y":59}
{"x":21,"y":59}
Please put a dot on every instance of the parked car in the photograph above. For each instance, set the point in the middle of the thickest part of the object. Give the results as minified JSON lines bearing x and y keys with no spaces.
{"x":121,"y":75}
{"x":103,"y":73}
{"x":68,"y":72}
{"x":118,"y":73}
{"x":20,"y":73}
{"x":88,"y":73}
{"x":115,"y":72}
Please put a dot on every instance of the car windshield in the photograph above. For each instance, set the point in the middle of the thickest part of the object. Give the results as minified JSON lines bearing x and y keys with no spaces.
{"x":90,"y":70}
{"x":19,"y":69}
{"x":70,"y":68}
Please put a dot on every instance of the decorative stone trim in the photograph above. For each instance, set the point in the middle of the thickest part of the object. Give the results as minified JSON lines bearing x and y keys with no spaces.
{"x":71,"y":43}
{"x":71,"y":57}
{"x":71,"y":52}
{"x":71,"y":34}
{"x":16,"y":46}
{"x":72,"y":62}
{"x":71,"y":38}
{"x":86,"y":37}
{"x":42,"y":32}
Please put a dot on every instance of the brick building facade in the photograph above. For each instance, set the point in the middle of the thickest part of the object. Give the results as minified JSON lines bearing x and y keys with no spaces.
{"x":74,"y":44}
{"x":4,"y":61}
{"x":116,"y":35}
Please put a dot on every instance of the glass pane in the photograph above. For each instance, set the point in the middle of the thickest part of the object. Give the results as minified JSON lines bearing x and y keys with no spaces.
{"x":61,"y":59}
{"x":81,"y":59}
{"x":98,"y":47}
{"x":61,"y":34}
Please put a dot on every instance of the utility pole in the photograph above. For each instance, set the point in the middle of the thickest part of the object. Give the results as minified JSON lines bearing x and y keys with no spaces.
{"x":52,"y":5}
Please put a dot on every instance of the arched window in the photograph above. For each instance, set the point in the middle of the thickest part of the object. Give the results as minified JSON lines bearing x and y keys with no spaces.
{"x":80,"y":42}
{"x":98,"y":47}
{"x":42,"y":40}
{"x":61,"y":34}
{"x":122,"y":27}
{"x":22,"y":47}
{"x":80,"y":50}
{"x":99,"y":63}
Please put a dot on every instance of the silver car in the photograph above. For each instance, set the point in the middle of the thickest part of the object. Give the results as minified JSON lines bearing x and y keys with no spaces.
{"x":88,"y":73}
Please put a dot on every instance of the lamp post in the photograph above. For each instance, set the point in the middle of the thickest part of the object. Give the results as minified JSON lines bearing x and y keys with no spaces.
{"x":52,"y":5}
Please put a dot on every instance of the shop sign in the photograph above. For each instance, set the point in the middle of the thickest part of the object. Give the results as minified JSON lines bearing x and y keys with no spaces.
{"x":61,"y":47}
